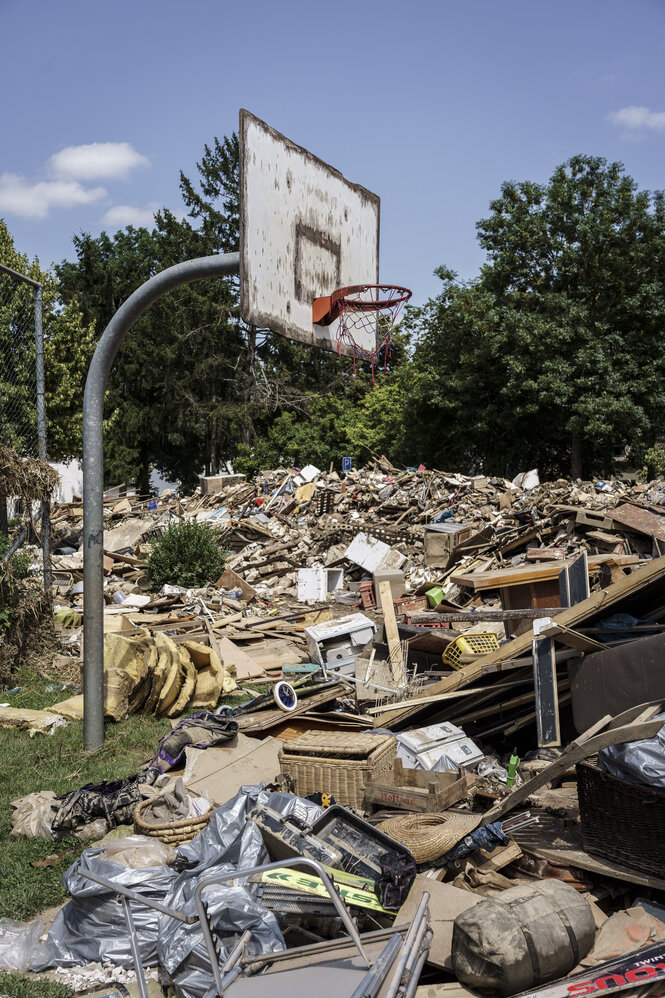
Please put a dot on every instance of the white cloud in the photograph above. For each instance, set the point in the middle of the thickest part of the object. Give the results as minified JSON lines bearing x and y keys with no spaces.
{"x":99,"y":160}
{"x":34,"y":200}
{"x":635,"y":117}
{"x":127,"y":214}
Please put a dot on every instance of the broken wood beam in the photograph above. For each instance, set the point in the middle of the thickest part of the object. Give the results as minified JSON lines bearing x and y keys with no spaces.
{"x":570,"y":637}
{"x":628,"y":585}
{"x":393,"y":639}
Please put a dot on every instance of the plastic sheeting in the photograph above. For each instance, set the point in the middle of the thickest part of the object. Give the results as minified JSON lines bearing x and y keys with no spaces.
{"x":32,"y":816}
{"x":20,"y":948}
{"x":638,"y":762}
{"x":138,"y":852}
{"x":229,"y":843}
{"x":92,"y":926}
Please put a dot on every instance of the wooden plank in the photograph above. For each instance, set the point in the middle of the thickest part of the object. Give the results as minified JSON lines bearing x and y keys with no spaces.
{"x":520,"y":645}
{"x":231,"y":580}
{"x":232,"y":656}
{"x":562,"y":846}
{"x":482,"y":613}
{"x":521,"y":722}
{"x":392,"y":634}
{"x":545,"y":554}
{"x":499,"y":858}
{"x":263,"y":720}
{"x":564,"y":588}
{"x":125,"y":558}
{"x":571,"y":638}
{"x":523,"y":574}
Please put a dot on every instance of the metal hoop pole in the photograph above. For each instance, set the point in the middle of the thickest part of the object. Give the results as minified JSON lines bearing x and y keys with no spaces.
{"x":93,"y":471}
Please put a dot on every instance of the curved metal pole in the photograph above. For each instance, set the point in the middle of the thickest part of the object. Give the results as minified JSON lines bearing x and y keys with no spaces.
{"x":93,"y":471}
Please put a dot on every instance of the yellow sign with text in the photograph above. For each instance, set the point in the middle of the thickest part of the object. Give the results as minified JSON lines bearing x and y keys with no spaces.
{"x":361,"y":896}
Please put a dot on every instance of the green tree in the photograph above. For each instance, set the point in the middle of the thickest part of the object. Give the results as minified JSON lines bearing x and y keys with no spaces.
{"x":68,"y":345}
{"x":144,"y":426}
{"x":555,"y":354}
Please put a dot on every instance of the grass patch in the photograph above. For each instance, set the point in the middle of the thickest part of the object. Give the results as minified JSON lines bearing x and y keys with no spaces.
{"x":56,"y":762}
{"x":14,"y":986}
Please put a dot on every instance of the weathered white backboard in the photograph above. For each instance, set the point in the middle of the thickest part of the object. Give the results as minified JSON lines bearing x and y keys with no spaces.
{"x":304,"y":232}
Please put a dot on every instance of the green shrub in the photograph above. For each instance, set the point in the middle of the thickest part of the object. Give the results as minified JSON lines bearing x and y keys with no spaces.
{"x":12,"y":573}
{"x":187,"y":554}
{"x":654,"y":462}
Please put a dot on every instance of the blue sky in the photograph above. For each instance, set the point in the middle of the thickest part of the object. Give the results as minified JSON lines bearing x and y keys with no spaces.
{"x":429,"y":104}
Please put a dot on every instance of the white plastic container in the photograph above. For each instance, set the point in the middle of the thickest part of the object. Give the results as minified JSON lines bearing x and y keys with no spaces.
{"x":437,"y":747}
{"x":337,"y":643}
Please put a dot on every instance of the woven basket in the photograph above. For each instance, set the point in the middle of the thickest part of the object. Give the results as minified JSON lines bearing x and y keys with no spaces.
{"x":173,"y":832}
{"x":621,"y":821}
{"x":428,"y":836}
{"x":338,"y":763}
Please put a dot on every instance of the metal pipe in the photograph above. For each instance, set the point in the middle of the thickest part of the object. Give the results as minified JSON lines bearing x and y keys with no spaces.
{"x":222,"y":878}
{"x":41,"y":431}
{"x":93,"y":471}
{"x":253,"y":964}
{"x":377,"y":974}
{"x":237,"y":951}
{"x":412,"y":943}
{"x":412,"y":983}
{"x":134,"y":946}
{"x":139,"y":898}
{"x":19,"y":277}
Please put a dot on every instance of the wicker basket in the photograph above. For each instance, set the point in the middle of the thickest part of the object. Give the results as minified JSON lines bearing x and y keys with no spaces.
{"x":621,"y":821}
{"x":175,"y":833}
{"x":338,"y":763}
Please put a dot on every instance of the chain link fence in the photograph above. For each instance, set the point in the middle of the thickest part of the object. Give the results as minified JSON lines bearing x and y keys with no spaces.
{"x":18,"y":367}
{"x":22,"y":405}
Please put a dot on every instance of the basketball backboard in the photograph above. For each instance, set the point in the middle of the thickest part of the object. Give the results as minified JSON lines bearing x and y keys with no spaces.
{"x":305,"y":231}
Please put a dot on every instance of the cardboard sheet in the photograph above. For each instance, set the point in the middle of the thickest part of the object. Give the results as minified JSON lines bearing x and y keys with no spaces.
{"x":445,"y":903}
{"x":219,"y":772}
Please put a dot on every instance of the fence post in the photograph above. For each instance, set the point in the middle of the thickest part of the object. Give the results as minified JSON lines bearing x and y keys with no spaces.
{"x":41,"y":418}
{"x":41,"y":431}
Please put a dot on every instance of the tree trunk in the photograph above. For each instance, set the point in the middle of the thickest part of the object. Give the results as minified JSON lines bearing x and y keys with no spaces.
{"x":143,"y":476}
{"x":247,"y":429}
{"x":575,"y":455}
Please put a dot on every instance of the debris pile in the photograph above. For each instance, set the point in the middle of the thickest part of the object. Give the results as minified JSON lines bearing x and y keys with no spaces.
{"x":417,"y":739}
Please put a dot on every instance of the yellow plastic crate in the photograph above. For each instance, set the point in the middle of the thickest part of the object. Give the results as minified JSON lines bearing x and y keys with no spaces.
{"x":470,"y":644}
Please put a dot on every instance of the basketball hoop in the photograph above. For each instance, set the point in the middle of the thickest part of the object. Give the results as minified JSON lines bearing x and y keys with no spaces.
{"x":365,"y":311}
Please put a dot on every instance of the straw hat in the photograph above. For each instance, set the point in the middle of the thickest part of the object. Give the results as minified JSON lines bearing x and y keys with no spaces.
{"x":428,"y":836}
